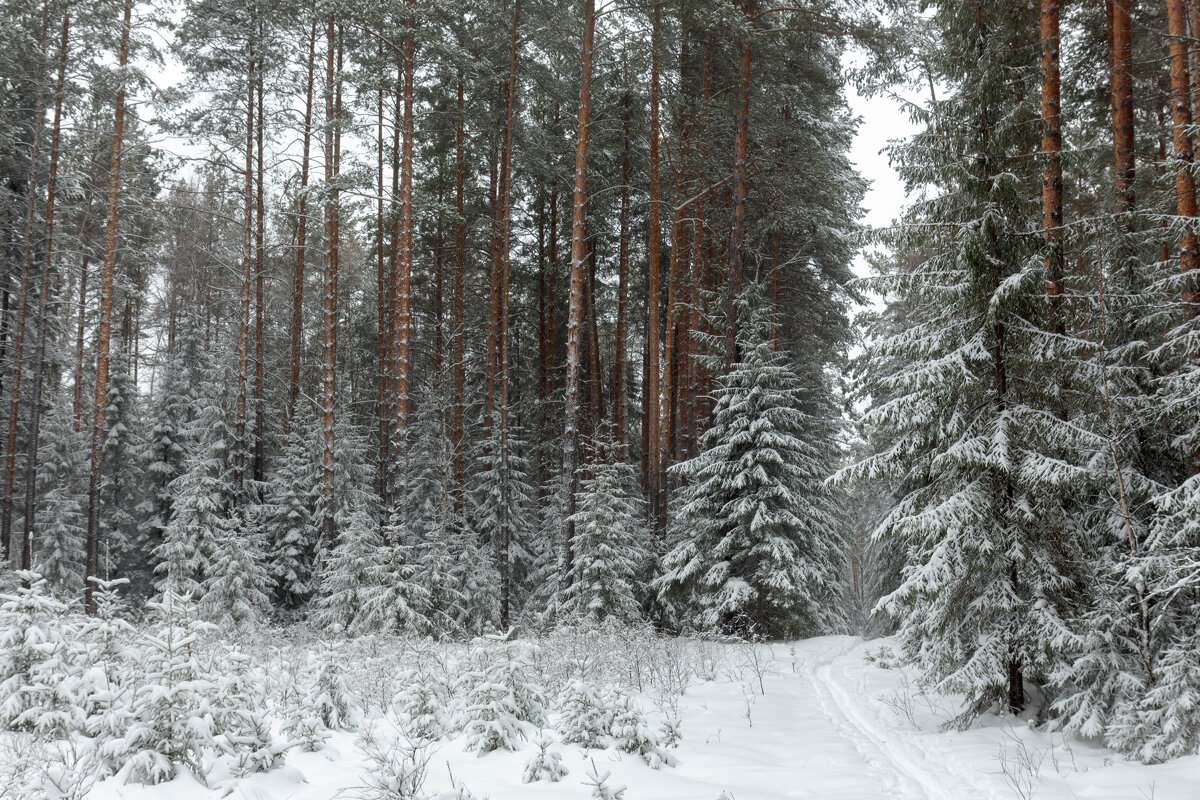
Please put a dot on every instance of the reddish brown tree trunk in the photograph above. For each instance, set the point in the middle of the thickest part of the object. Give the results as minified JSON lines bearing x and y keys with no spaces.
{"x":575,"y":304}
{"x":104,"y":330}
{"x":1052,"y":173}
{"x":1181,"y":117}
{"x":381,"y":298}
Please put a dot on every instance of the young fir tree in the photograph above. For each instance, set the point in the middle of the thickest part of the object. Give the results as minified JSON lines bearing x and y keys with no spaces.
{"x":757,"y":545}
{"x":609,"y":546}
{"x":237,"y":587}
{"x":293,"y":527}
{"x":61,"y":531}
{"x":120,"y":486}
{"x":349,"y":575}
{"x":975,"y":420}
{"x":31,"y":638}
{"x":502,"y":499}
{"x":164,"y":453}
{"x":201,"y":514}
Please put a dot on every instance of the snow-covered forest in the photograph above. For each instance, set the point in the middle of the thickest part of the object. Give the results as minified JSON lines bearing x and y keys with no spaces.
{"x":437,"y":399}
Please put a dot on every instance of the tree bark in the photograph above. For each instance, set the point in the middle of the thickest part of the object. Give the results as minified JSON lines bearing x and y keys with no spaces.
{"x":1121,"y":89}
{"x":260,"y":264}
{"x":1052,"y":172}
{"x":575,"y":305}
{"x":381,"y":296}
{"x":741,"y":142}
{"x":104,"y":330}
{"x":1181,"y":117}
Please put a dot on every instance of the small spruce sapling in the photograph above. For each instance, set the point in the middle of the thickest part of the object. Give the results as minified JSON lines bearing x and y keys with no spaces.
{"x":545,"y":764}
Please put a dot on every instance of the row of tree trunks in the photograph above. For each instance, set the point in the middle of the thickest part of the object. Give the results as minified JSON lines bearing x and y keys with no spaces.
{"x":18,"y":354}
{"x":652,"y":466}
{"x":39,"y":355}
{"x":104,"y":329}
{"x":297,"y":332}
{"x":575,"y":304}
{"x":505,"y":245}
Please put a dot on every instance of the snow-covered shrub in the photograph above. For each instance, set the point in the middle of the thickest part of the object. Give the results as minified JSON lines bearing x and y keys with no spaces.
{"x":544,"y":765}
{"x":671,"y":732}
{"x":171,"y":725}
{"x":108,"y":672}
{"x":32,"y":656}
{"x":396,"y":768}
{"x":500,"y":696}
{"x":302,"y":725}
{"x":631,"y":732}
{"x":583,"y":716}
{"x":419,"y":703}
{"x":600,"y":788}
{"x":242,"y":727}
{"x":330,"y":696}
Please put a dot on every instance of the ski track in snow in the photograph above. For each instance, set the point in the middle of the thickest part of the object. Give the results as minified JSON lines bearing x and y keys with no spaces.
{"x":917,"y":776}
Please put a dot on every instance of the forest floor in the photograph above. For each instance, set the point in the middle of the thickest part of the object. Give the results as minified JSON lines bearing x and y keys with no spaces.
{"x":824,"y":718}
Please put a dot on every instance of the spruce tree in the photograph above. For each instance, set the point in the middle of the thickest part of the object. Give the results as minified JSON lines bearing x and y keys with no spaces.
{"x":757,"y":548}
{"x":62,"y":525}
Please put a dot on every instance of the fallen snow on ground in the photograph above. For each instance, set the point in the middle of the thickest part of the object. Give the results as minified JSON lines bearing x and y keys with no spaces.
{"x":824,"y":718}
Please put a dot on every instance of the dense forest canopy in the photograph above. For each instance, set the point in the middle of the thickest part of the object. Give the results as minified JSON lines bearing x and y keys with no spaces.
{"x":446,"y":318}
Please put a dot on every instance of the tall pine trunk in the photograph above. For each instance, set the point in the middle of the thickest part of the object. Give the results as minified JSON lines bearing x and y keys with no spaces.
{"x":458,"y":396}
{"x":1181,"y":118}
{"x":240,"y":449}
{"x":621,"y":355}
{"x":104,"y":330}
{"x":260,"y":253}
{"x":1052,"y":171}
{"x":575,"y":305}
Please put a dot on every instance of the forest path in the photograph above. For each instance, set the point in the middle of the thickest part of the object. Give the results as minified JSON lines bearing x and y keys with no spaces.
{"x":896,"y":756}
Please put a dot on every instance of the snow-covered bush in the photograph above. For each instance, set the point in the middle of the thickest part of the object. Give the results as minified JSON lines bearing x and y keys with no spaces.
{"x":396,"y":768}
{"x":33,"y":661}
{"x":600,"y":788}
{"x":500,"y":696}
{"x":302,"y":724}
{"x":242,"y":727}
{"x":330,"y":697}
{"x":631,"y":732}
{"x":108,"y":671}
{"x":171,"y":725}
{"x":583,"y":716}
{"x":419,"y":703}
{"x":544,"y":765}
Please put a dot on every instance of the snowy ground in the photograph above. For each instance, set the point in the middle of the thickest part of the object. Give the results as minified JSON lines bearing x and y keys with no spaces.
{"x":832,"y":720}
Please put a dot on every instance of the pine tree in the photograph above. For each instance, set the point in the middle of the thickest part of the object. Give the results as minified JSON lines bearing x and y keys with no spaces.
{"x":351,"y":573}
{"x":237,"y":588}
{"x":758,"y":549}
{"x":126,"y":541}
